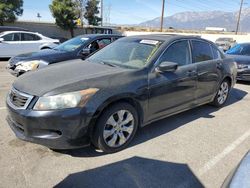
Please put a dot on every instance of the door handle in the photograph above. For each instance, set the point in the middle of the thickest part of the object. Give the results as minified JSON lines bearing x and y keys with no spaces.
{"x":219,"y":65}
{"x":192,"y":73}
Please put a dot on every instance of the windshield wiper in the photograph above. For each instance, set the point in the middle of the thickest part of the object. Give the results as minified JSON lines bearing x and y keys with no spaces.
{"x":107,"y":63}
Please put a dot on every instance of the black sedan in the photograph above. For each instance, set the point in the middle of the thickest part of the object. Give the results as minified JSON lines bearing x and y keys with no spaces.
{"x":77,"y":48}
{"x":241,"y":54}
{"x":126,"y":85}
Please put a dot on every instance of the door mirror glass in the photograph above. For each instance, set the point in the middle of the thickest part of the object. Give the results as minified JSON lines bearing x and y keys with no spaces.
{"x":85,"y":52}
{"x":1,"y":39}
{"x":166,"y":67}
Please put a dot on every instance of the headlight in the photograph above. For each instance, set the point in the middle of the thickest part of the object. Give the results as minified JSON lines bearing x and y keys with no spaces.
{"x":242,"y":66}
{"x":30,"y":65}
{"x":65,"y":100}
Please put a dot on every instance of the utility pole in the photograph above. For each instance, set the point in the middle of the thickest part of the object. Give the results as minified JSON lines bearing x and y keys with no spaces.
{"x":162,"y":13}
{"x":238,"y":22}
{"x":102,"y":12}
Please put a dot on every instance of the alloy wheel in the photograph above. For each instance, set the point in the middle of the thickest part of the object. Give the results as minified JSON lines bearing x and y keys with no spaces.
{"x":223,"y":93}
{"x":118,"y":128}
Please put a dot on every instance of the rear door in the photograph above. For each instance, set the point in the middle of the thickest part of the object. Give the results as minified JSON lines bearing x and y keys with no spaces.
{"x":170,"y":92}
{"x":30,"y":42}
{"x":209,"y":67}
{"x":11,"y":45}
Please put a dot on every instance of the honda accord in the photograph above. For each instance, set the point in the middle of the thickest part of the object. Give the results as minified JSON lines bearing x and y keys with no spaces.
{"x":126,"y":85}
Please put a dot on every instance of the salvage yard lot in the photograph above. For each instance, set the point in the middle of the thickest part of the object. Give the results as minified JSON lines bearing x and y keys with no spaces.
{"x":197,"y":148}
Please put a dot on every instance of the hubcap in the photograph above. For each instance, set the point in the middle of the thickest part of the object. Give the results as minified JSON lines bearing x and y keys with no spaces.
{"x":118,"y":128}
{"x":223,"y":92}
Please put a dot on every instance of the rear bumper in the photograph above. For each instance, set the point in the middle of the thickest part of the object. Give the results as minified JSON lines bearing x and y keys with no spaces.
{"x":64,"y":129}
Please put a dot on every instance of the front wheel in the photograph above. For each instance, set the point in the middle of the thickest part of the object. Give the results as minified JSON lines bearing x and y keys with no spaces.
{"x":116,"y":128}
{"x":222,"y":94}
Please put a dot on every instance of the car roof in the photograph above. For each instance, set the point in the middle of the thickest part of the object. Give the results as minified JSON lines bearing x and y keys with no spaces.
{"x":92,"y":36}
{"x":166,"y":37}
{"x":8,"y":32}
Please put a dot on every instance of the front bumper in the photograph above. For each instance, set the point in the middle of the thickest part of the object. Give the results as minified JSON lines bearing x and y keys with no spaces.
{"x":62,"y":129}
{"x":243,"y":75}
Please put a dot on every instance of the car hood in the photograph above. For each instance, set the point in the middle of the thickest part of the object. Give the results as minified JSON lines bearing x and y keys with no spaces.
{"x":66,"y":77}
{"x":48,"y":55}
{"x":241,"y":59}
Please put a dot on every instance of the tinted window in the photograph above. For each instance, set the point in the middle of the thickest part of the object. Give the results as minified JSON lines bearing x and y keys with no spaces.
{"x":216,"y":53}
{"x":246,"y":50}
{"x":177,"y":53}
{"x":201,"y":51}
{"x":29,"y":37}
{"x":12,"y":37}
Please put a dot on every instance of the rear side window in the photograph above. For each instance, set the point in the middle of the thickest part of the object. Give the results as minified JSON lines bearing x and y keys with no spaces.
{"x":30,"y":37}
{"x":201,"y":51}
{"x":177,"y":53}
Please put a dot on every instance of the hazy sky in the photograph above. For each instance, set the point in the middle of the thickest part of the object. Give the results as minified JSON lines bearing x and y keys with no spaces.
{"x":136,"y":11}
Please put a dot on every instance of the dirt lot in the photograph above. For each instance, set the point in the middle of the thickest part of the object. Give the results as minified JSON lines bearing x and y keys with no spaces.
{"x":197,"y":148}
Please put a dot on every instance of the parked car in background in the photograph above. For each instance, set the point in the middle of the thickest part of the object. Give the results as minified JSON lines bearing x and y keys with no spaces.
{"x":240,"y":176}
{"x":241,"y":54}
{"x":128,"y":84}
{"x":9,"y":28}
{"x":76,"y":48}
{"x":225,"y":43}
{"x":13,"y":43}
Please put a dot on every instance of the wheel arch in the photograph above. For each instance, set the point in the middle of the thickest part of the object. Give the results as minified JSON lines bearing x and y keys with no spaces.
{"x":111,"y":101}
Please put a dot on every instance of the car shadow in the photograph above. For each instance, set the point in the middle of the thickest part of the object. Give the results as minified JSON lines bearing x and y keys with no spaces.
{"x":165,"y":125}
{"x":134,"y":172}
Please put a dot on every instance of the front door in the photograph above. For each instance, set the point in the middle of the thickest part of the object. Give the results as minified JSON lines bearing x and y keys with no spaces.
{"x":171,"y":92}
{"x":11,"y":45}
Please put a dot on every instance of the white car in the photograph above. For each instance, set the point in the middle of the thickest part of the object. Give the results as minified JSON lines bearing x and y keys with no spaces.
{"x":13,"y":43}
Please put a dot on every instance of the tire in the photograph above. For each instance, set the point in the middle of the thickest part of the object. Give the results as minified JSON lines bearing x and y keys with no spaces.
{"x":222,"y":94}
{"x":115,"y":128}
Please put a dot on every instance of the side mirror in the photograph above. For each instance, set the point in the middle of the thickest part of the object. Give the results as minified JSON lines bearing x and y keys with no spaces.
{"x":166,"y":67}
{"x":85,"y":52}
{"x":1,"y":40}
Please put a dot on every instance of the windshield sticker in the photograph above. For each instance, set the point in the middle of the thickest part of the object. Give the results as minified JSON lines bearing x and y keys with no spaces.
{"x":84,"y":38}
{"x":151,"y":42}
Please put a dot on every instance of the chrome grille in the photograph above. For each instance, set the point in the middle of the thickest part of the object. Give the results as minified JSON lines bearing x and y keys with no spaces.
{"x":18,"y":99}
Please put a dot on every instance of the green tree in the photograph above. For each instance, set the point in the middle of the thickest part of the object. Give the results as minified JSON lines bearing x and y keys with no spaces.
{"x":9,"y":10}
{"x":92,"y":11}
{"x":66,"y":13}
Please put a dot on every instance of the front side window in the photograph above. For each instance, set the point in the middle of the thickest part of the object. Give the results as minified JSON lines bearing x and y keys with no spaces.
{"x":129,"y":53}
{"x":8,"y":37}
{"x":12,"y":37}
{"x":177,"y":53}
{"x":201,"y":51}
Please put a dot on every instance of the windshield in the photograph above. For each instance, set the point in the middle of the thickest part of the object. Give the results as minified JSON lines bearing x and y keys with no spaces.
{"x":236,"y":50}
{"x":72,"y":44}
{"x":132,"y":53}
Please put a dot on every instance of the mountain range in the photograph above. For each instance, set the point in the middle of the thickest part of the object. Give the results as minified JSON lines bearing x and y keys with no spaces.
{"x":202,"y":19}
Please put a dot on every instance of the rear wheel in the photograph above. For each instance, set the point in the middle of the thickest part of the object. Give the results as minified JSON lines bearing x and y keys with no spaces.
{"x":116,"y":128}
{"x":222,"y":94}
